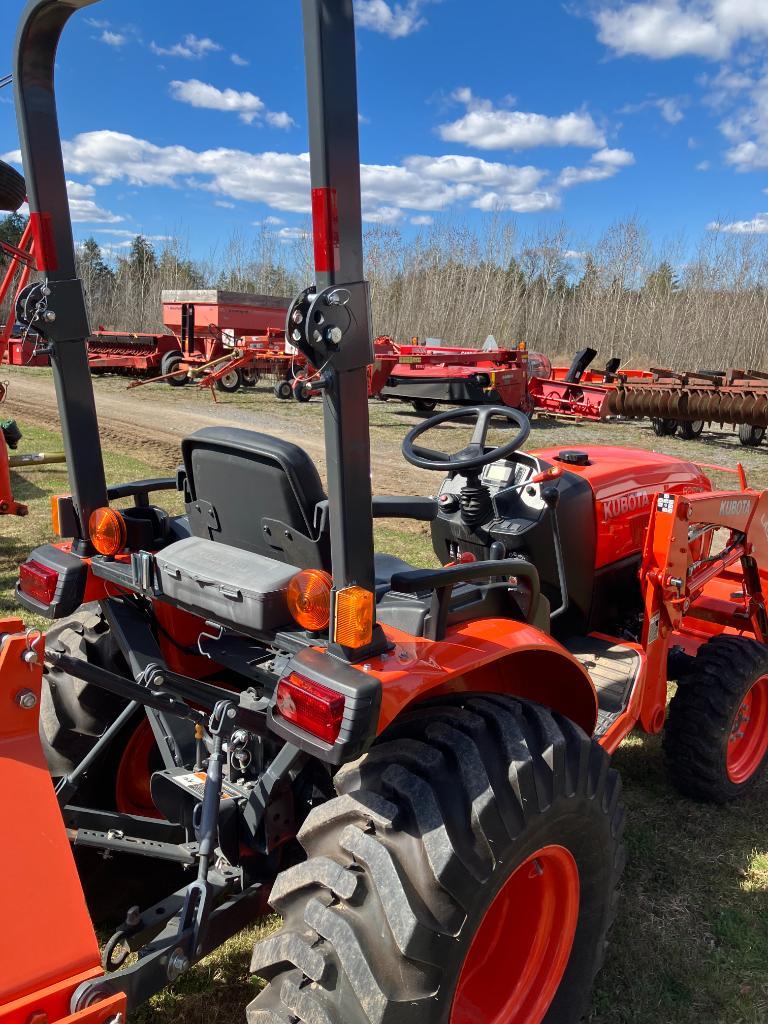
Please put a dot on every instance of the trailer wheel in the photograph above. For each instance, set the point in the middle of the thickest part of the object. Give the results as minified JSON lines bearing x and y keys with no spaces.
{"x":283,"y":390}
{"x":466,"y":872}
{"x":716,"y":740}
{"x":251,"y":378}
{"x":751,"y":437}
{"x":689,"y":430}
{"x":662,"y":427}
{"x":13,"y":188}
{"x":424,"y":405}
{"x":301,"y":391}
{"x":168,"y":364}
{"x":230,"y":382}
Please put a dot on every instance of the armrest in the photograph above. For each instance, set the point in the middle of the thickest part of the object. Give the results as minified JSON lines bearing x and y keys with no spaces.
{"x":140,"y":489}
{"x":404,"y":507}
{"x":442,"y":581}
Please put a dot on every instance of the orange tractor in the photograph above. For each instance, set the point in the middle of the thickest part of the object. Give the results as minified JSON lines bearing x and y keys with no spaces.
{"x":411,"y":765}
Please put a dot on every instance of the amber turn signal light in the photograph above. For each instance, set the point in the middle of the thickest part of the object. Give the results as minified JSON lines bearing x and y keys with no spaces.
{"x":309,"y":598}
{"x":107,"y":531}
{"x":354,"y":617}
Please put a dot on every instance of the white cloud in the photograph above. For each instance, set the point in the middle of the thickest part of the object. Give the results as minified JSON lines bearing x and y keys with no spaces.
{"x":606,"y":163}
{"x":83,"y":208}
{"x":670,"y":108}
{"x":239,"y":61}
{"x":487,"y":127}
{"x":662,"y":29}
{"x":130,"y":235}
{"x":422,"y":221}
{"x":190,"y":48}
{"x":279,"y":119}
{"x":395,"y":20}
{"x":574,"y":254}
{"x":116,"y":39}
{"x":291,"y":234}
{"x":208,"y":97}
{"x":247,"y":105}
{"x":224,"y":204}
{"x":420,"y":185}
{"x":704,"y":165}
{"x":757,"y":226}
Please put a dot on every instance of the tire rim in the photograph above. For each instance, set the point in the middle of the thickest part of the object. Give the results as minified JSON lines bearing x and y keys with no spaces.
{"x":521,"y":948}
{"x":229,"y":380}
{"x":748,"y":742}
{"x":133,"y":793}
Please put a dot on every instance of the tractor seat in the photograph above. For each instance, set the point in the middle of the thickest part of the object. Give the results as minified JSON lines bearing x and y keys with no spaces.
{"x":256,"y":493}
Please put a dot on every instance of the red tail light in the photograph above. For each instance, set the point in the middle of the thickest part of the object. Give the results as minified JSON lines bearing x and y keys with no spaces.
{"x":38,"y":581}
{"x":311,"y":706}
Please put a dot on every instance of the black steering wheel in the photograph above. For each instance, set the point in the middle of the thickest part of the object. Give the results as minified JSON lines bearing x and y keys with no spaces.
{"x":475,"y":455}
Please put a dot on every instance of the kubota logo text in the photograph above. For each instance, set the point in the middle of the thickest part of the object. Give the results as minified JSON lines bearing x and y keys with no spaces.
{"x":735,"y":507}
{"x":636,"y":502}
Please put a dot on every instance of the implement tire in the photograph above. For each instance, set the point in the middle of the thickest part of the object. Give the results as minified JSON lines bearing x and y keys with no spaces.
{"x":716,"y":739}
{"x":467,"y":871}
{"x":13,"y":188}
{"x":751,"y":437}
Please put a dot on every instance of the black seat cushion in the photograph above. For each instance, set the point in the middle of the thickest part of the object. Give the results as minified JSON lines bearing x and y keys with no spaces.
{"x":255,"y":492}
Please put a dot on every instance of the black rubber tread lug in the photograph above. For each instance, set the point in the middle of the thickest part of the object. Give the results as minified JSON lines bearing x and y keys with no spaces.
{"x":701,"y":714}
{"x":319,"y":871}
{"x":366,"y":807}
{"x":304,"y":1005}
{"x":288,"y":948}
{"x":408,"y":752}
{"x":415,"y":931}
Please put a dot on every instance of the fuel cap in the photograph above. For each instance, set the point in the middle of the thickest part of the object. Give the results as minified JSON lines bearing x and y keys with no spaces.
{"x":573,"y":457}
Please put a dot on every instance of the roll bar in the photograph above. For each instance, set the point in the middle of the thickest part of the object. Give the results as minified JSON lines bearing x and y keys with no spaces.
{"x":330,"y":321}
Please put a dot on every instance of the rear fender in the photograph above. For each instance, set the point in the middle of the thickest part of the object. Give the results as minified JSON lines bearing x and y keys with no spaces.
{"x":486,"y":656}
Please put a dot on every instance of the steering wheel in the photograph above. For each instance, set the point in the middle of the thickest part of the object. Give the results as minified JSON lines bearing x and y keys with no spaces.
{"x":475,"y":455}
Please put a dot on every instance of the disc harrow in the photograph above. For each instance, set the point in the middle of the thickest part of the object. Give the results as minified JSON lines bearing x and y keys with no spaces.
{"x":736,"y":397}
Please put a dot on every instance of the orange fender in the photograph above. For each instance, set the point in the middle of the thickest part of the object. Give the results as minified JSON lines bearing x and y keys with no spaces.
{"x":47,"y":942}
{"x":485,"y":656}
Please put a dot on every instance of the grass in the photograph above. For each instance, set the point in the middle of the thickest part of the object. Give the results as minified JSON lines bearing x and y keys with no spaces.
{"x":690,"y":945}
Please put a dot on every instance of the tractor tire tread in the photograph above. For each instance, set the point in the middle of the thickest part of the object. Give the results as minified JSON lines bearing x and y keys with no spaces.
{"x":420,"y":824}
{"x":700,"y":717}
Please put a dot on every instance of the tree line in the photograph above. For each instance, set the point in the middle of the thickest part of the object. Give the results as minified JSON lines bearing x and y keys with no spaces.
{"x":681,"y":306}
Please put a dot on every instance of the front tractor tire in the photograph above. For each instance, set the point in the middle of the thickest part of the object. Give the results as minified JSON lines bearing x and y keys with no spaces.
{"x":465,"y":873}
{"x":716,"y":739}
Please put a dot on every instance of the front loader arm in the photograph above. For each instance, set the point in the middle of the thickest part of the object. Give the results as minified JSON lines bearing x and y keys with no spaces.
{"x":674,"y":574}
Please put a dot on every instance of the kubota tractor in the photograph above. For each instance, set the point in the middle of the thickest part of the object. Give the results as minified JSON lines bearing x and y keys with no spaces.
{"x":411,"y":765}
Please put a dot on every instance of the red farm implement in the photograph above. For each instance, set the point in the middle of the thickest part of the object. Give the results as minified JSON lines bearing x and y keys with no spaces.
{"x":426,"y":375}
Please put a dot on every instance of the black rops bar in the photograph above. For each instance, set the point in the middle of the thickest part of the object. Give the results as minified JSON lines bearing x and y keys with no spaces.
{"x":60,"y":303}
{"x":340,"y":299}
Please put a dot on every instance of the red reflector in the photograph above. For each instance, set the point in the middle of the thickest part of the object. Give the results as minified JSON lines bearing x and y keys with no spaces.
{"x":38,"y":582}
{"x":44,"y":247}
{"x":310,"y":706}
{"x":325,"y":228}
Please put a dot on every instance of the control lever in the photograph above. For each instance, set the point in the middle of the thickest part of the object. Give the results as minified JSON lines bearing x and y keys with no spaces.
{"x":539,"y":478}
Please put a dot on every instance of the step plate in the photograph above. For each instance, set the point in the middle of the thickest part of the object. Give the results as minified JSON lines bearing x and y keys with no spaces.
{"x":613,"y":668}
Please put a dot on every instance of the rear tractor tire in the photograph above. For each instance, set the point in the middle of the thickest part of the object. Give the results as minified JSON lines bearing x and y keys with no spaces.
{"x":751,"y":437}
{"x":689,"y":430}
{"x":716,"y":739}
{"x":74,"y":714}
{"x":465,"y":873}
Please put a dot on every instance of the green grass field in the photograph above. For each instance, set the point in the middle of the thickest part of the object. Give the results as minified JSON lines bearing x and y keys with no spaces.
{"x":690,"y":944}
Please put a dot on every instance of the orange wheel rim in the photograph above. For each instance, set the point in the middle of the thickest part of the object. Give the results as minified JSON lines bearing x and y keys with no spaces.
{"x":133,"y":793}
{"x":520,"y":951}
{"x":748,"y":741}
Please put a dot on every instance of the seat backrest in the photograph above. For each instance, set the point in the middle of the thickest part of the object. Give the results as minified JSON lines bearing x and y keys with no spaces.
{"x":257,"y":493}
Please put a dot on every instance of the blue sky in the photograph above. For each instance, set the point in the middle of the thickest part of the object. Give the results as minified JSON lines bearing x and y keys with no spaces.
{"x":179,"y":120}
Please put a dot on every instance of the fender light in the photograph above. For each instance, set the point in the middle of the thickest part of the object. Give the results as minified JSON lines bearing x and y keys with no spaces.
{"x":107,"y":531}
{"x":309,"y":599}
{"x":354,"y":617}
{"x":38,"y":582}
{"x":310,"y":706}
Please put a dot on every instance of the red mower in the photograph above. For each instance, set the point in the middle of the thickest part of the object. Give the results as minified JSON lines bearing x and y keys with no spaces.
{"x":412,"y":766}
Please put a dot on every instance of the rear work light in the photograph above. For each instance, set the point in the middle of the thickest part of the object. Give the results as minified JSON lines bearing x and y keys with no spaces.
{"x":107,"y":531}
{"x":310,"y":706}
{"x":38,"y":582}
